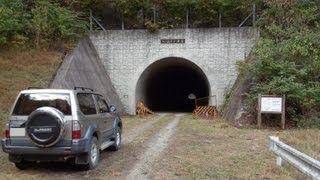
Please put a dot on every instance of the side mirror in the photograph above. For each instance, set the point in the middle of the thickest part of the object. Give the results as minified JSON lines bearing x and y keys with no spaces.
{"x":113,"y":108}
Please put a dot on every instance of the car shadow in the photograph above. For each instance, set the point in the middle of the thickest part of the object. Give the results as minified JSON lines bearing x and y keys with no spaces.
{"x":68,"y":166}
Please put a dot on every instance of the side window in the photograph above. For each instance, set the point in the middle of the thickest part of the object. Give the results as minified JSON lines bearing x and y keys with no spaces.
{"x":103,"y":106}
{"x":86,"y":103}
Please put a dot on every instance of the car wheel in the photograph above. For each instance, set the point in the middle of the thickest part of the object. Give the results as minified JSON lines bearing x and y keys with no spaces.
{"x":117,"y":140}
{"x":93,"y":155}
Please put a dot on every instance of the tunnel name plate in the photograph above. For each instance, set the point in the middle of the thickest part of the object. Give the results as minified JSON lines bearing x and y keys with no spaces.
{"x":172,"y":41}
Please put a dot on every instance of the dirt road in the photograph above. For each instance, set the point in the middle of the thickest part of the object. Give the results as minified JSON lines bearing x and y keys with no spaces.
{"x":155,"y":146}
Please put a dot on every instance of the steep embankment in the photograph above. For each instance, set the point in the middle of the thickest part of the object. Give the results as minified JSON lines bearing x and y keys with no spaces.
{"x":22,"y":69}
{"x":233,"y":110}
{"x":83,"y":67}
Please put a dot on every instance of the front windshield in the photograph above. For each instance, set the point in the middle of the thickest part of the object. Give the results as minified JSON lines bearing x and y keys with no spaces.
{"x":30,"y":102}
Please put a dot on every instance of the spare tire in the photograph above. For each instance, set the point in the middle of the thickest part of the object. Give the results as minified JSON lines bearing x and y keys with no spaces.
{"x":45,"y":126}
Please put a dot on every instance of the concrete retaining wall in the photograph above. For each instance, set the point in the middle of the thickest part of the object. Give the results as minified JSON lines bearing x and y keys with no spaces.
{"x":83,"y":67}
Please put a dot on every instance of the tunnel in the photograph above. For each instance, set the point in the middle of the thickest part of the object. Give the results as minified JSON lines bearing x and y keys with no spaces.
{"x":166,"y":85}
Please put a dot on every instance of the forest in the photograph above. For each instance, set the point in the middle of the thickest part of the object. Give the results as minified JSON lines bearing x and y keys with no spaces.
{"x":44,"y":22}
{"x":286,"y":58}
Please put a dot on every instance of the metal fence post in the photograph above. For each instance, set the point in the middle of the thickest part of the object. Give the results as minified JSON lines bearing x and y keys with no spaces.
{"x":187,"y":19}
{"x":274,"y":147}
{"x":254,"y":15}
{"x":220,"y":23}
{"x":122,"y":22}
{"x":154,"y":13}
{"x":279,"y":159}
{"x":90,"y":18}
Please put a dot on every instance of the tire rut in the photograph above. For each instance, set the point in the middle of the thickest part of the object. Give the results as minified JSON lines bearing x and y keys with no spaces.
{"x":127,"y":138}
{"x":133,"y":133}
{"x":143,"y":167}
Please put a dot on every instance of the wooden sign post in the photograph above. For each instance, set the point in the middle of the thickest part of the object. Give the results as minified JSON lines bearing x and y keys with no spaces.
{"x":271,"y":105}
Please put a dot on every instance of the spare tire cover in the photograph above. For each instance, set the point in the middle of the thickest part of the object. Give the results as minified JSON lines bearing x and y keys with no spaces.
{"x":45,"y":126}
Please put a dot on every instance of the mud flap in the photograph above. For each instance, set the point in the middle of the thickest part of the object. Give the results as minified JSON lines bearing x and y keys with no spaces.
{"x":82,"y":159}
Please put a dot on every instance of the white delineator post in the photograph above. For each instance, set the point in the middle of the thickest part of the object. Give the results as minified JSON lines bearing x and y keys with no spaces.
{"x":274,"y":147}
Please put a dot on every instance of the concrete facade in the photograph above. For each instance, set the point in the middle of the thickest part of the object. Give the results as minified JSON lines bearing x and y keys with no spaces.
{"x":127,"y":54}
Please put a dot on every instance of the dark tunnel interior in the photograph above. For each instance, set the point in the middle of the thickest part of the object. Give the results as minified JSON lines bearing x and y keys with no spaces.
{"x":166,"y":84}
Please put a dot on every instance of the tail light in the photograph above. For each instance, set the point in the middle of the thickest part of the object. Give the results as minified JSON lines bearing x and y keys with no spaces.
{"x":7,"y":131}
{"x":76,"y":130}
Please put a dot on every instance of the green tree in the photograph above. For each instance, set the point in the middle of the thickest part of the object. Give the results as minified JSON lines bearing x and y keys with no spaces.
{"x":51,"y":22}
{"x":13,"y":21}
{"x":288,"y":58}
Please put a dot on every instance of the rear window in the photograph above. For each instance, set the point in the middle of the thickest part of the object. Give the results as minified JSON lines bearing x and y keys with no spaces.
{"x":30,"y":102}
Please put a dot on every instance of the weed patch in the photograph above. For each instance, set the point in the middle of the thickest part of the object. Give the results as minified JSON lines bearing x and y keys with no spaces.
{"x":215,"y":150}
{"x":19,"y":70}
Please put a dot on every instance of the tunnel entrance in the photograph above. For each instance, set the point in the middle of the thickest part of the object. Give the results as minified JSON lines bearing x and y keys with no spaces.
{"x":166,"y":84}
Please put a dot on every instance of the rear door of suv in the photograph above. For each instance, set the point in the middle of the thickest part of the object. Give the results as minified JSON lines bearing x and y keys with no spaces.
{"x":30,"y":100}
{"x":89,"y":115}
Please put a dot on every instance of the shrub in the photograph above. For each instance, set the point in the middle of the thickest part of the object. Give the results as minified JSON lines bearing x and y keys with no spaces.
{"x":288,"y":58}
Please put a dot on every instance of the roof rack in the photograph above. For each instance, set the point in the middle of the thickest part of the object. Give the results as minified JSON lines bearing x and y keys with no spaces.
{"x":35,"y":87}
{"x":83,"y":88}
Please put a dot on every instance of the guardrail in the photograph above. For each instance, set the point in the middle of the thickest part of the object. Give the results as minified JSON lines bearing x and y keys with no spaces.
{"x":304,"y":163}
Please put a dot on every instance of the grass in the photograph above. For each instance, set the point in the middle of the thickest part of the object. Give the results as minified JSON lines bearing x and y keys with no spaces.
{"x":305,"y":140}
{"x":215,"y":150}
{"x":19,"y":70}
{"x":133,"y":121}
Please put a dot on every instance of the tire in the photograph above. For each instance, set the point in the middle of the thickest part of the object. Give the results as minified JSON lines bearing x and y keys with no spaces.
{"x":23,"y":165}
{"x":45,"y":126}
{"x":93,"y":155}
{"x":117,"y":140}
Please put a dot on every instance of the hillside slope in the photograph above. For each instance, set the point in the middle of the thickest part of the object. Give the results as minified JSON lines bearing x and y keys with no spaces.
{"x":22,"y":69}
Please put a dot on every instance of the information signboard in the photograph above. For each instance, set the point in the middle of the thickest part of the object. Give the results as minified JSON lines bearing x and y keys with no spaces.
{"x":271,"y":104}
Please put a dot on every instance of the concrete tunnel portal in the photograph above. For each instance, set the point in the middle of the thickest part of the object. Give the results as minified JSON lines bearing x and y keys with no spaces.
{"x":165,"y":85}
